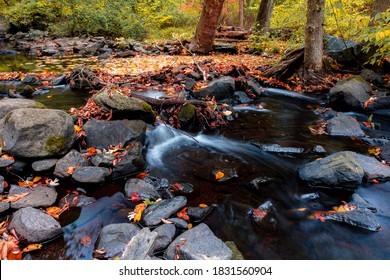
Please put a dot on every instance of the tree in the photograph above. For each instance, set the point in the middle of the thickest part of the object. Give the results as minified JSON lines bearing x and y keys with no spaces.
{"x":313,"y":51}
{"x":241,"y":12}
{"x":203,"y":40}
{"x":264,"y":14}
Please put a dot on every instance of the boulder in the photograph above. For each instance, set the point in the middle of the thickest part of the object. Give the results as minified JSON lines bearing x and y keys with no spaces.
{"x":90,"y":174}
{"x":345,"y":52}
{"x":123,"y":106}
{"x":44,"y":164}
{"x":198,"y":243}
{"x":373,"y":169}
{"x":73,"y":158}
{"x":9,"y":104}
{"x":131,"y":163}
{"x":221,"y":88}
{"x":40,"y":196}
{"x":113,"y":238}
{"x":349,"y":94}
{"x":142,"y":188}
{"x":371,"y":76}
{"x":361,"y":218}
{"x":33,"y":225}
{"x":102,"y":134}
{"x":165,"y":235}
{"x":344,"y":125}
{"x":141,"y":246}
{"x":35,"y":133}
{"x":163,"y":210}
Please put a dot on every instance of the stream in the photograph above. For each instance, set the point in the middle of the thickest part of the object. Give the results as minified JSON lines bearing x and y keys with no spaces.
{"x":193,"y":158}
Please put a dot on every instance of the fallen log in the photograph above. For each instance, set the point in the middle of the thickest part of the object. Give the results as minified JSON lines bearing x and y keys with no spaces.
{"x":169,"y":102}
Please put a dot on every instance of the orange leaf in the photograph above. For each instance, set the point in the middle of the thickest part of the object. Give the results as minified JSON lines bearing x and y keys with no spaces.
{"x":203,"y":205}
{"x":366,"y":124}
{"x":15,"y":197}
{"x":5,"y":156}
{"x":71,"y":169}
{"x":32,"y":247}
{"x":55,"y":211}
{"x":91,"y":150}
{"x":183,"y":214}
{"x":15,"y":255}
{"x":86,"y":241}
{"x":142,"y":175}
{"x":219,"y":175}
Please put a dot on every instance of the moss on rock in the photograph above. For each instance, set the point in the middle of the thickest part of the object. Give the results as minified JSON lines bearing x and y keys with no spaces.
{"x":187,"y":112}
{"x":55,"y":144}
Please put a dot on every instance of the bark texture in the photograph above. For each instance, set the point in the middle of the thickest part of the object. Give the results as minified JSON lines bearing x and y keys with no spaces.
{"x":264,"y":15}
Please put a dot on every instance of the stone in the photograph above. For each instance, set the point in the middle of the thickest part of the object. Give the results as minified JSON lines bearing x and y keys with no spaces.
{"x":275,"y":148}
{"x":373,"y":169}
{"x":343,"y":51}
{"x":163,"y":210}
{"x":318,"y":149}
{"x":237,"y":255}
{"x":345,"y":126}
{"x":6,"y":161}
{"x":220,"y":88}
{"x":241,"y":97}
{"x":359,"y":202}
{"x":200,"y":244}
{"x":9,"y":104}
{"x":131,"y":163}
{"x":337,"y":169}
{"x":165,"y":235}
{"x":37,"y":133}
{"x":44,"y":164}
{"x":361,"y":218}
{"x":371,"y":76}
{"x":102,"y":134}
{"x":39,"y":196}
{"x":123,"y":106}
{"x":76,"y":200}
{"x":141,"y":246}
{"x":179,"y":223}
{"x":90,"y":174}
{"x":349,"y":94}
{"x":73,"y":158}
{"x":197,"y":214}
{"x":34,"y":226}
{"x":114,"y":237}
{"x":102,"y":160}
{"x":4,"y":206}
{"x":142,"y":188}
{"x":2,"y":184}
{"x":83,"y":77}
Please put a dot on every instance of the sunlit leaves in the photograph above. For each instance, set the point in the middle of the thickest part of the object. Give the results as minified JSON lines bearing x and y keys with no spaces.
{"x":32,"y":247}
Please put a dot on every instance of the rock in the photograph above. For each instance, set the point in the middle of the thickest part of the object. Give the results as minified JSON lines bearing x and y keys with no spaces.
{"x":102,"y":134}
{"x":258,"y":214}
{"x":131,"y":163}
{"x":255,"y":87}
{"x":378,"y":142}
{"x":140,"y":246}
{"x":94,"y":47}
{"x":198,"y":243}
{"x":373,"y":169}
{"x":9,"y":104}
{"x":142,"y":188}
{"x":197,"y":214}
{"x":241,"y":97}
{"x":349,"y":94}
{"x":318,"y":149}
{"x":225,"y":48}
{"x":4,"y":206}
{"x":30,"y":79}
{"x":359,"y":202}
{"x":338,"y":169}
{"x":220,"y":88}
{"x":259,"y":182}
{"x":90,"y":174}
{"x":102,"y":160}
{"x":50,"y":52}
{"x":33,"y":225}
{"x":165,"y":235}
{"x":187,"y":113}
{"x":237,"y":255}
{"x":73,"y":158}
{"x":83,"y":77}
{"x":76,"y":200}
{"x":38,"y":197}
{"x":371,"y":76}
{"x":344,"y":125}
{"x":124,"y":107}
{"x":361,"y":218}
{"x":159,"y":184}
{"x":44,"y":164}
{"x":343,"y":51}
{"x":35,"y":133}
{"x":179,"y":223}
{"x":6,"y":161}
{"x":163,"y":210}
{"x":275,"y":148}
{"x":61,"y":80}
{"x":2,"y":183}
{"x":125,"y":54}
{"x":114,"y":238}
{"x":380,"y":106}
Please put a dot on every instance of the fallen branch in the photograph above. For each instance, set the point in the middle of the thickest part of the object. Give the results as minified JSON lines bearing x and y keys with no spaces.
{"x":168,"y":102}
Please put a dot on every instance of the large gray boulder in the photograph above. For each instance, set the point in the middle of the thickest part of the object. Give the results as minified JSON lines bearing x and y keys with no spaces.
{"x":198,"y":243}
{"x":220,"y":88}
{"x":345,"y":52}
{"x":349,"y":94}
{"x":102,"y":134}
{"x":33,"y":225}
{"x":9,"y":104}
{"x":344,"y":125}
{"x":36,"y":133}
{"x":123,"y":106}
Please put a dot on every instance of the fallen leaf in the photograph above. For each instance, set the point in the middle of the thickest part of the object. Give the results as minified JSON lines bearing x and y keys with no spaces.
{"x":32,"y":247}
{"x":135,"y":197}
{"x":183,"y":214}
{"x":86,"y":241}
{"x":166,"y":221}
{"x":15,"y":197}
{"x":71,"y":169}
{"x":259,"y":213}
{"x":55,"y":211}
{"x":142,"y":175}
{"x":219,"y":175}
{"x":203,"y":205}
{"x":77,"y":128}
{"x":374,"y":151}
{"x":5,"y":156}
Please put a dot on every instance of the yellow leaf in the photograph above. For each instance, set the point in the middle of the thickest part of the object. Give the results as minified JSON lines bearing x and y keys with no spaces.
{"x":203,"y":205}
{"x":32,"y":247}
{"x":36,"y":179}
{"x":219,"y":175}
{"x":138,"y":216}
{"x":77,"y":128}
{"x":15,"y":197}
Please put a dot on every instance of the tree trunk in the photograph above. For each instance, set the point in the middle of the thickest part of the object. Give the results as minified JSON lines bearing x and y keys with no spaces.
{"x":207,"y":25}
{"x":264,"y":14}
{"x":314,"y":38}
{"x":241,"y":13}
{"x":379,"y":6}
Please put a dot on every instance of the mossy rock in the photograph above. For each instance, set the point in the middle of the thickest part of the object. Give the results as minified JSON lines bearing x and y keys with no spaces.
{"x":55,"y":144}
{"x":187,"y":113}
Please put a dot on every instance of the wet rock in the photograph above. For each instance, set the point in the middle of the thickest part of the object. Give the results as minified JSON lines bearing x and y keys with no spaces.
{"x":6,"y":161}
{"x":83,"y":77}
{"x":380,"y":106}
{"x":44,"y":165}
{"x":237,"y":255}
{"x":9,"y":104}
{"x":126,"y":54}
{"x":4,"y":206}
{"x":343,"y":51}
{"x":141,"y":246}
{"x":142,"y":188}
{"x":38,"y":197}
{"x":27,"y":91}
{"x":187,"y":113}
{"x":259,"y":182}
{"x":198,"y":243}
{"x":359,"y":202}
{"x":345,"y":126}
{"x":337,"y":169}
{"x":165,"y":235}
{"x":371,"y":76}
{"x":90,"y":174}
{"x":2,"y":184}
{"x":7,"y":89}
{"x":76,"y":200}
{"x":361,"y":218}
{"x":373,"y":169}
{"x":220,"y":88}
{"x":102,"y":160}
{"x":131,"y":163}
{"x":241,"y":97}
{"x":114,"y":238}
{"x":275,"y":148}
{"x":377,"y":142}
{"x":197,"y":214}
{"x":349,"y":94}
{"x":61,"y":80}
{"x":102,"y":134}
{"x":318,"y":150}
{"x":73,"y":158}
{"x":93,"y":48}
{"x":124,"y":107}
{"x":179,"y":223}
{"x":258,"y":214}
{"x":33,"y":225}
{"x":30,"y":79}
{"x":255,"y":87}
{"x":35,"y":133}
{"x":163,"y":210}
{"x":159,"y":184}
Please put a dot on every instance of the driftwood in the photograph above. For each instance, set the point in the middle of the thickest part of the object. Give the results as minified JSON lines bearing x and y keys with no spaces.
{"x":168,"y":102}
{"x":287,"y":66}
{"x":233,"y":34}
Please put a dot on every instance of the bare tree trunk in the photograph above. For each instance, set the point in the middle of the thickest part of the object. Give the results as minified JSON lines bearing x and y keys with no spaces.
{"x":264,"y":15}
{"x":314,"y":38}
{"x":379,"y":6}
{"x":241,"y":13}
{"x":207,"y":25}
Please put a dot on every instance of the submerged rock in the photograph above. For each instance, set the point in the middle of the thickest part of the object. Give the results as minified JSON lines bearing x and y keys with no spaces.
{"x":131,"y":163}
{"x":35,"y":133}
{"x":344,"y":125}
{"x":198,"y":243}
{"x":33,"y":225}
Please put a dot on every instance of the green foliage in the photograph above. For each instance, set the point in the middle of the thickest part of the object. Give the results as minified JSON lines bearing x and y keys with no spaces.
{"x":377,"y":37}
